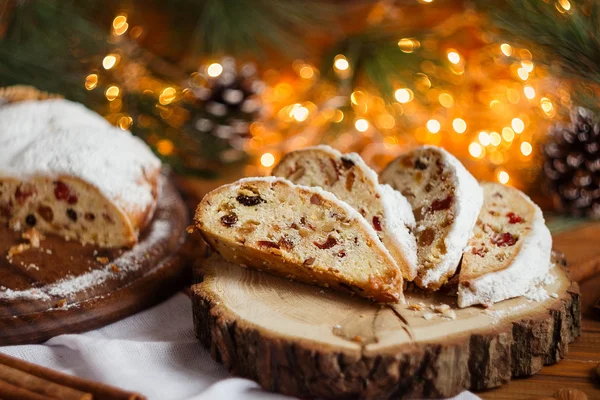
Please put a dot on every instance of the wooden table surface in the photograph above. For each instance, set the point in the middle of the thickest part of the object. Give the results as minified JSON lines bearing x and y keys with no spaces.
{"x":581,"y":246}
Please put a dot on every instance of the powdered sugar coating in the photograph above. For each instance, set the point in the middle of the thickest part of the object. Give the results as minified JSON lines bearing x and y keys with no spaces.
{"x":399,"y":222}
{"x":469,"y":199}
{"x":528,"y":269}
{"x":53,"y":138}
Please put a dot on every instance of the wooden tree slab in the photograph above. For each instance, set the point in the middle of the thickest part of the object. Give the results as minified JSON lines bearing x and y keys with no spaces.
{"x":304,"y":341}
{"x":64,"y":287}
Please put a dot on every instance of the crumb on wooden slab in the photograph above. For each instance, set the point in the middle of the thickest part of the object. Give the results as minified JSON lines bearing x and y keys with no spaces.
{"x":450,"y":314}
{"x":34,"y":237}
{"x":32,"y":266}
{"x":17,"y":249}
{"x":442,"y":308}
{"x":102,"y":260}
{"x":428,"y":316}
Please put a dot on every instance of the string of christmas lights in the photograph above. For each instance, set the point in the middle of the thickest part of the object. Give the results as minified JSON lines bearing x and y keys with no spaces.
{"x":488,"y":103}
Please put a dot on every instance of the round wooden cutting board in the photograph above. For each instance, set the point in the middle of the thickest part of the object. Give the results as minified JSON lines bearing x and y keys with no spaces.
{"x":65,"y":287}
{"x":305,"y":341}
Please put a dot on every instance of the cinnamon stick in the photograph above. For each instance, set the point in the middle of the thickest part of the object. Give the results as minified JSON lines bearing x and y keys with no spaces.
{"x":12,"y":392}
{"x":38,"y":385}
{"x":99,"y":391}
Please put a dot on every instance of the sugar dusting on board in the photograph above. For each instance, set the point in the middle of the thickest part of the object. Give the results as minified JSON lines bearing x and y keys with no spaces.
{"x":117,"y":269}
{"x":69,"y":286}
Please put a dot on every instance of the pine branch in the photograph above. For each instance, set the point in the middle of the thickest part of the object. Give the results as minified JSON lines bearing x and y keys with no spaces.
{"x":248,"y":27}
{"x":375,"y":57}
{"x":45,"y":42}
{"x":568,"y":43}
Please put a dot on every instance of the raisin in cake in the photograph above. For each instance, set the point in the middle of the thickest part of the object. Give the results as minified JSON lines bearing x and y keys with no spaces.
{"x":509,"y":251}
{"x":298,"y":232}
{"x":445,"y":199}
{"x":65,"y":170}
{"x":352,"y":181}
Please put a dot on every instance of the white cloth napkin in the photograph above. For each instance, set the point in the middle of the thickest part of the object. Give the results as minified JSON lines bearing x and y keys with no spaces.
{"x":153,"y":352}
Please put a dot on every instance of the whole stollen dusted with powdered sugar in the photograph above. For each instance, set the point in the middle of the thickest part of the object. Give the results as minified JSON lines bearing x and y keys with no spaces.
{"x":349,"y":178}
{"x":445,"y":199}
{"x":65,"y":170}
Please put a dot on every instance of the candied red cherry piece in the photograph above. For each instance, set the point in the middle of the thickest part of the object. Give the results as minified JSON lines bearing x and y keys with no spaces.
{"x":505,"y":239}
{"x":63,"y":192}
{"x":329,"y":243}
{"x":23,"y":193}
{"x":514,"y":218}
{"x":443,"y":204}
{"x":377,"y":223}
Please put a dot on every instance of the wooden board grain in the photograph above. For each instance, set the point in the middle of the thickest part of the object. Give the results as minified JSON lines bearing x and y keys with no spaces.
{"x":137,"y":278}
{"x":304,"y":341}
{"x":581,"y":246}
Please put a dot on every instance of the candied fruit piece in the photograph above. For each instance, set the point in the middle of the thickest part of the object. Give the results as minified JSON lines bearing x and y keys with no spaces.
{"x":229,"y":220}
{"x":444,"y":204}
{"x":514,"y":218}
{"x":350,"y":180}
{"x":249,"y":201}
{"x":61,"y":191}
{"x":285,"y":243}
{"x":309,"y":261}
{"x":46,"y":213}
{"x":420,"y":165}
{"x":31,"y":220}
{"x":347,"y":163}
{"x":72,"y":214}
{"x":23,"y":192}
{"x":426,"y":237}
{"x":505,"y":239}
{"x":268,"y":243}
{"x":329,"y":243}
{"x":377,"y":223}
{"x":481,"y":251}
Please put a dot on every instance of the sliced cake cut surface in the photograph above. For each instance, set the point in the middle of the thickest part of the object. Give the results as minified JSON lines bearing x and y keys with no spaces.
{"x":352,"y":181}
{"x":65,"y":170}
{"x":509,"y":252}
{"x":445,"y":199}
{"x":298,"y":232}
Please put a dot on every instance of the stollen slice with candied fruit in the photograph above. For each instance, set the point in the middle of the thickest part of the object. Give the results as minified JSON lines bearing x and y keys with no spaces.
{"x":446,"y":200}
{"x":509,"y":252}
{"x":298,"y":232}
{"x":349,"y":178}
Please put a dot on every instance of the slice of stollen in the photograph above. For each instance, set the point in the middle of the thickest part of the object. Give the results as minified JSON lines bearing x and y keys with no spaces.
{"x":298,"y":232}
{"x":509,"y":252}
{"x":445,"y":199}
{"x":352,"y":181}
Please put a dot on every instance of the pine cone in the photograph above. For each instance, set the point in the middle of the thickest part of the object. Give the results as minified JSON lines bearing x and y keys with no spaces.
{"x":572,"y":166}
{"x":225,"y":104}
